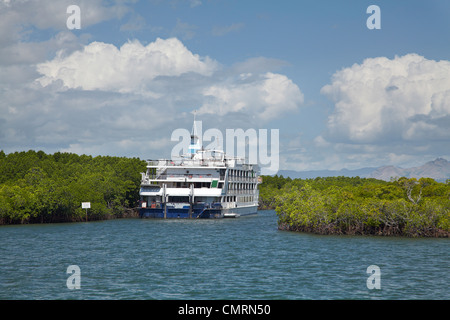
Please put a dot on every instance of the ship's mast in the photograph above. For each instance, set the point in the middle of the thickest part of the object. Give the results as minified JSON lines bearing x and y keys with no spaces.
{"x":195,"y":141}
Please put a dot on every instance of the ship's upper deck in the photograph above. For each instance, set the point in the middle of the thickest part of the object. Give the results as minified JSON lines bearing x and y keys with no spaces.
{"x":203,"y":159}
{"x":199,"y":166}
{"x":203,"y":167}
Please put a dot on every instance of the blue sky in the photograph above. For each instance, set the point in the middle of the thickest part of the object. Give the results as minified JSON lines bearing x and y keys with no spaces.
{"x":342,"y":96}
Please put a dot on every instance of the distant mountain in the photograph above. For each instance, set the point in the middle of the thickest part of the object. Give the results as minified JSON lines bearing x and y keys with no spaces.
{"x":438,"y":169}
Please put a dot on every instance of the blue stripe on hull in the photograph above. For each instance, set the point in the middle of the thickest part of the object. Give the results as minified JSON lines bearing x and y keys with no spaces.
{"x":173,"y":213}
{"x":183,"y":213}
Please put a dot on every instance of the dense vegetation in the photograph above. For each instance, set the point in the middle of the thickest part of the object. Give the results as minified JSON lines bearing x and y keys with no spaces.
{"x":341,"y":205}
{"x":36,"y":187}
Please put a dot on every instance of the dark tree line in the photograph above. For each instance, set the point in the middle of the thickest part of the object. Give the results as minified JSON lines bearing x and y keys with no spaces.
{"x":342,"y":205}
{"x":36,"y":187}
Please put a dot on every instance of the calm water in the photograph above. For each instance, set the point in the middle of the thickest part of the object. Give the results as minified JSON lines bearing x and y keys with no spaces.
{"x":245,"y":258}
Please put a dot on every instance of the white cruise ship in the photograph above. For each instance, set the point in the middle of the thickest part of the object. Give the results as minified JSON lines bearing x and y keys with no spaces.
{"x":203,"y":184}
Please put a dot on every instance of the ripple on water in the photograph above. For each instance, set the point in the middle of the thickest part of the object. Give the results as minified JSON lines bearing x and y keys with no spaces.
{"x":245,"y":258}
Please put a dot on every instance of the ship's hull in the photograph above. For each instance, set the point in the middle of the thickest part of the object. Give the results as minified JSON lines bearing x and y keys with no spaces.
{"x":196,"y":213}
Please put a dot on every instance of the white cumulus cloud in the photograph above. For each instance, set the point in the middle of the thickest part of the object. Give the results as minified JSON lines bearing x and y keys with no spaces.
{"x":97,"y":98}
{"x":406,"y":98}
{"x":126,"y":69}
{"x":264,"y":96}
{"x":17,"y":15}
{"x":161,"y":68}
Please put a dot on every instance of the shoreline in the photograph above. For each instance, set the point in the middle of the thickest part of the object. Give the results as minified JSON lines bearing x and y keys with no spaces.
{"x":324,"y":230}
{"x":126,"y":214}
{"x":355,"y":231}
{"x":359,"y":206}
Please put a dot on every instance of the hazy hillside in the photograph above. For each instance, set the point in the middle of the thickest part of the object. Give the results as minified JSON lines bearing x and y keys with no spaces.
{"x":438,"y":169}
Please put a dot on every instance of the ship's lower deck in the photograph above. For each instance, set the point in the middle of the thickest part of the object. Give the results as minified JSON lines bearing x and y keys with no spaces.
{"x":186,"y":212}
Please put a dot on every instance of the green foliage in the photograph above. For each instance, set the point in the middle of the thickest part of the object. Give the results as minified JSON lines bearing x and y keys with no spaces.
{"x":36,"y":187}
{"x":341,"y":205}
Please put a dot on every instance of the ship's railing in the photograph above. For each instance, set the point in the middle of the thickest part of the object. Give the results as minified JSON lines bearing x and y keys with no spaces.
{"x":197,"y":205}
{"x":240,"y":192}
{"x":161,"y":162}
{"x":205,"y":162}
{"x":247,"y":183}
{"x":242,"y":179}
{"x":188,"y":176}
{"x":186,"y":163}
{"x":185,"y":205}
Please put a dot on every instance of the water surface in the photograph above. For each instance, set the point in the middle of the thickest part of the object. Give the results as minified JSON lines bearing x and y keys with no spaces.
{"x":244,"y":258}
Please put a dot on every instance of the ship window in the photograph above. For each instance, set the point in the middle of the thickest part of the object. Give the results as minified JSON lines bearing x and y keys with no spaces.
{"x":178,"y":199}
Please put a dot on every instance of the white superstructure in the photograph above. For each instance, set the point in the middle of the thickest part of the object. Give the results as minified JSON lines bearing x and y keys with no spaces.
{"x":203,"y":184}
